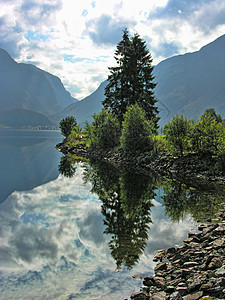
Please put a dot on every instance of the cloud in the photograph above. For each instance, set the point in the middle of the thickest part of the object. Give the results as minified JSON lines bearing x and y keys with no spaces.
{"x":210,"y":16}
{"x":38,"y":12}
{"x":70,"y":38}
{"x":107,"y":31}
{"x":168,"y":48}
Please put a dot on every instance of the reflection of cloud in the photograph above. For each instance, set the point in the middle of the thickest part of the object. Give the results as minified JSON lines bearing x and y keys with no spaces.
{"x":32,"y":242}
{"x":53,"y":247}
{"x":163,"y":233}
{"x":92,"y":228}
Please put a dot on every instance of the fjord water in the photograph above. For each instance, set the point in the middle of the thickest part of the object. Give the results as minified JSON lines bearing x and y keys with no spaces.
{"x":86,"y":235}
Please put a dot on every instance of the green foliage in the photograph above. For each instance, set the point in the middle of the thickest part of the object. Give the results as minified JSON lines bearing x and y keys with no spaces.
{"x":208,"y":134}
{"x":137,"y":132}
{"x":77,"y":137}
{"x":104,"y":132}
{"x":66,"y":166}
{"x":160,"y":143}
{"x":67,"y":124}
{"x":177,"y":133}
{"x":131,"y":81}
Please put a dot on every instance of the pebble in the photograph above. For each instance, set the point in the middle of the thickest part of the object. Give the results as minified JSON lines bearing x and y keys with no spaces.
{"x":192,"y":271}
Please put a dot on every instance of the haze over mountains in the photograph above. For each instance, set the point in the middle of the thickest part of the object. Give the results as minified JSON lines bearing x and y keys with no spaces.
{"x":187,"y":84}
{"x":29,"y":94}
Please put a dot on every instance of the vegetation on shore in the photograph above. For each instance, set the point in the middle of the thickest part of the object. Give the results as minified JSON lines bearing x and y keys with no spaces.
{"x":128,"y":122}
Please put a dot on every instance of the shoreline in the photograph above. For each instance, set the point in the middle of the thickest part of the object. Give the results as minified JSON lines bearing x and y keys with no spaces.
{"x":193,"y":271}
{"x":196,"y":269}
{"x":188,"y":168}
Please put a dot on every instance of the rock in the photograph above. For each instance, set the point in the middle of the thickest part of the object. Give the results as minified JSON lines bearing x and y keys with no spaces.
{"x":170,"y":289}
{"x":205,"y":286}
{"x":182,"y":290}
{"x":218,"y":243}
{"x":190,"y":264}
{"x":137,"y":276}
{"x":221,"y":271}
{"x":171,"y":250}
{"x":161,"y":266}
{"x":192,"y":271}
{"x":159,"y":255}
{"x":215,"y":263}
{"x":159,"y":296}
{"x":176,"y":296}
{"x":140,"y":296}
{"x":160,"y":282}
{"x":194,"y":296}
{"x":149,"y":281}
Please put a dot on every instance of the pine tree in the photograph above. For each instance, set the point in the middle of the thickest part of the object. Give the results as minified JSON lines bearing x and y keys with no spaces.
{"x":131,"y":81}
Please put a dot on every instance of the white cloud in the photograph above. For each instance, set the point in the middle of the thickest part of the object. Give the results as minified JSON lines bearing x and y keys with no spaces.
{"x":90,"y":30}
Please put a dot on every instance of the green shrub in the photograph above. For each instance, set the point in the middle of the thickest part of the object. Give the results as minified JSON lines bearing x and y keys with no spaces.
{"x":177,"y":133}
{"x":66,"y":125}
{"x":104,"y":132}
{"x":136,"y":134}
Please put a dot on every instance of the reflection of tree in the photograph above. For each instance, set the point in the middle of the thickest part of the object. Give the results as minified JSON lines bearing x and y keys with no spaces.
{"x":202,"y":202}
{"x":126,"y":206}
{"x":175,"y":200}
{"x":66,"y":166}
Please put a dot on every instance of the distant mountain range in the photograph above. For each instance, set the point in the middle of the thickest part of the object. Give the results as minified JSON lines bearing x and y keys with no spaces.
{"x":186,"y":84}
{"x":27,"y":92}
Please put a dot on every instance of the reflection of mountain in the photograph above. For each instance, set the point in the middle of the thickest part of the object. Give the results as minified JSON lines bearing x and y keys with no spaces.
{"x":27,"y":161}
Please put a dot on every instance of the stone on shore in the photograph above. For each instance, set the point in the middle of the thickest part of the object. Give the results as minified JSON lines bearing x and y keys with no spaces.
{"x":192,"y":271}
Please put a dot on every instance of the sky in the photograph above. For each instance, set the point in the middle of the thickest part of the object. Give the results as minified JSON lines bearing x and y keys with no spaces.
{"x":76,"y":39}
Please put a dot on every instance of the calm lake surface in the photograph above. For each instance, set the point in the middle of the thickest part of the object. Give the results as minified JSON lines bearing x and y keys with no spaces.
{"x":86,"y":235}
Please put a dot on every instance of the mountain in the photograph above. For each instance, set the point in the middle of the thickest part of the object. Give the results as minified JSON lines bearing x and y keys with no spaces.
{"x":187,"y":84}
{"x":192,"y":82}
{"x":24,"y":86}
{"x":22,"y":118}
{"x":84,"y":109}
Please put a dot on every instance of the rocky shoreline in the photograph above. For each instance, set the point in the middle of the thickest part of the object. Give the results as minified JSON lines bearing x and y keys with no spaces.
{"x":192,"y":271}
{"x":188,"y":168}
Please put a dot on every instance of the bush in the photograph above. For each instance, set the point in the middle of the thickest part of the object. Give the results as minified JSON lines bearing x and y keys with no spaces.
{"x":66,"y":125}
{"x":104,"y":132}
{"x":208,"y":136}
{"x":177,"y":133}
{"x":136,"y":131}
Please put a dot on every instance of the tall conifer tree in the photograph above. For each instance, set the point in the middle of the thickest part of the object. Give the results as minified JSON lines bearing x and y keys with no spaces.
{"x":131,"y":81}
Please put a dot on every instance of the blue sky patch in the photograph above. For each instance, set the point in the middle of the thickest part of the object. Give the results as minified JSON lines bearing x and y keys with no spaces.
{"x":35,"y":36}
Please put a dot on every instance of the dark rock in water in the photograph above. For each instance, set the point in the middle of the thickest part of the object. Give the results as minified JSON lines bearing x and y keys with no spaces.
{"x":194,"y":270}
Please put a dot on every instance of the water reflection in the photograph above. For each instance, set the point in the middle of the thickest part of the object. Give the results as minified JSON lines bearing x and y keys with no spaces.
{"x":28,"y":159}
{"x":127,"y":196}
{"x":202,"y":202}
{"x":66,"y":166}
{"x":126,"y":205}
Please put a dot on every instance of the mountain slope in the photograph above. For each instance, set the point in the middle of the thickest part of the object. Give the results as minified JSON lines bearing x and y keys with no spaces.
{"x":187,"y":84}
{"x":192,"y":82}
{"x":24,"y":86}
{"x":84,"y":109}
{"x":23,"y":118}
